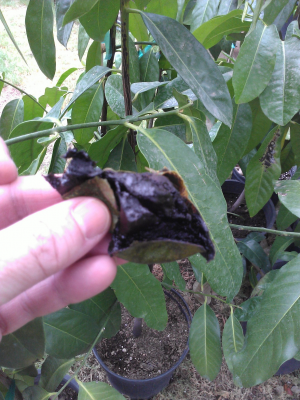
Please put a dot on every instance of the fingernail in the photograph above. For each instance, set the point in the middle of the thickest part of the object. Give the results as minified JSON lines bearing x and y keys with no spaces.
{"x":93,"y":218}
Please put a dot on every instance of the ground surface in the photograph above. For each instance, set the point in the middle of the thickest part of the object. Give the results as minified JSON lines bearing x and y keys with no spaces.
{"x":186,"y":383}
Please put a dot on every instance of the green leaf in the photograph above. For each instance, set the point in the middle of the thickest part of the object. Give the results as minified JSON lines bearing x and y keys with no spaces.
{"x":78,"y":9}
{"x":122,"y":157}
{"x":137,"y":26}
{"x":295,"y":141}
{"x":58,"y":163}
{"x":166,"y":8}
{"x":280,"y":244}
{"x":24,"y":346}
{"x":255,"y":63}
{"x":226,"y":6}
{"x":173,"y":272}
{"x":12,"y":115}
{"x":256,"y":13}
{"x":87,"y":108}
{"x":292,"y":29}
{"x":25,"y":152}
{"x":69,"y":333}
{"x":100,"y":18}
{"x":141,"y":4}
{"x":35,"y":393}
{"x":260,"y":126}
{"x":262,"y":169}
{"x":211,"y":32}
{"x":230,"y":143}
{"x":166,"y":91}
{"x":251,"y":306}
{"x":53,"y":371}
{"x":273,"y":9}
{"x":11,"y":36}
{"x":284,"y":218}
{"x":36,"y":163}
{"x":149,"y":72}
{"x":280,"y":100}
{"x":204,"y":341}
{"x":203,"y":11}
{"x":172,"y":123}
{"x":142,"y":294}
{"x":65,"y":75}
{"x":83,"y":41}
{"x":63,"y":32}
{"x":289,"y":194}
{"x":199,"y":72}
{"x":255,"y":254}
{"x":31,"y":109}
{"x":97,"y":390}
{"x":94,"y":56}
{"x":284,"y":14}
{"x":99,"y":151}
{"x":89,"y":79}
{"x":114,"y":94}
{"x":163,"y":149}
{"x":52,"y":96}
{"x":232,"y":339}
{"x":39,"y":28}
{"x":273,"y":334}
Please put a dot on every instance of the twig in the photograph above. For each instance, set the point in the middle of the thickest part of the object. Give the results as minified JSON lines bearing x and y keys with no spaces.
{"x":238,"y":202}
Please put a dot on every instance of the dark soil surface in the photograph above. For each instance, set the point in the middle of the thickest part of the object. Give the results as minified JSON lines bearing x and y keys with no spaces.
{"x":67,"y":393}
{"x":150,"y":354}
{"x":258,"y":220}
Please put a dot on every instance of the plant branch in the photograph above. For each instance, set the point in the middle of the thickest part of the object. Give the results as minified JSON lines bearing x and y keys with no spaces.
{"x":66,"y":128}
{"x":256,"y":229}
{"x":88,"y":353}
{"x":238,"y":202}
{"x":23,"y":91}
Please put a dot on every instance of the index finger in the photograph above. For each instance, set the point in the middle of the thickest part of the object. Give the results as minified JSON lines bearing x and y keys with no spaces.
{"x":8,"y":170}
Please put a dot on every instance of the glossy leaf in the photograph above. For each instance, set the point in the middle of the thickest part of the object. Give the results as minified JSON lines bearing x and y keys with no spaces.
{"x":87,"y":108}
{"x":25,"y":152}
{"x":35,"y":164}
{"x":114,"y":94}
{"x":172,"y":270}
{"x":199,"y":72}
{"x":273,"y":9}
{"x":31,"y":109}
{"x":149,"y":72}
{"x":255,"y":63}
{"x":122,"y":157}
{"x":230,"y":143}
{"x":51,"y":97}
{"x":142,"y":87}
{"x":284,"y":14}
{"x":78,"y":9}
{"x":262,"y":169}
{"x":134,"y":70}
{"x":203,"y":11}
{"x":295,"y":142}
{"x":97,"y":390}
{"x":83,"y":41}
{"x":172,"y":123}
{"x":99,"y":151}
{"x":11,"y":36}
{"x":273,"y":334}
{"x":292,"y":29}
{"x":58,"y":163}
{"x":39,"y":28}
{"x":211,"y":32}
{"x":166,"y":91}
{"x":284,"y":218}
{"x":226,"y":6}
{"x":280,"y":244}
{"x":53,"y":371}
{"x":260,"y":126}
{"x":280,"y":100}
{"x":69,"y":333}
{"x":65,"y":75}
{"x":255,"y":254}
{"x":289,"y":194}
{"x":98,"y":308}
{"x":12,"y":115}
{"x":137,"y":26}
{"x":100,"y":18}
{"x":24,"y":346}
{"x":35,"y":393}
{"x":94,"y":56}
{"x":163,"y":149}
{"x":63,"y":32}
{"x":167,"y":8}
{"x":251,"y":306}
{"x":204,"y":342}
{"x":142,"y":294}
{"x":232,"y":339}
{"x":89,"y":79}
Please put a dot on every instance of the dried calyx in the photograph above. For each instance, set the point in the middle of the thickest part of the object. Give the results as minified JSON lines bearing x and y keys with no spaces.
{"x":152,"y":218}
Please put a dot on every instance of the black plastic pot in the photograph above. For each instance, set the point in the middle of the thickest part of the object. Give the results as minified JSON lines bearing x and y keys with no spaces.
{"x":236,"y":187}
{"x":146,"y":388}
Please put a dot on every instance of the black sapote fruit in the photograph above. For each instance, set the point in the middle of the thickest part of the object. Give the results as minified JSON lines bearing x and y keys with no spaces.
{"x":153,"y":221}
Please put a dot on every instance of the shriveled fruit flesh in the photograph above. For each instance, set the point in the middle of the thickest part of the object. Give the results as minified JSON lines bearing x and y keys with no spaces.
{"x":153,"y":221}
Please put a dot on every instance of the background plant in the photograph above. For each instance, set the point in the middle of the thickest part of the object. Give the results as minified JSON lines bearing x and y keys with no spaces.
{"x":154,"y":112}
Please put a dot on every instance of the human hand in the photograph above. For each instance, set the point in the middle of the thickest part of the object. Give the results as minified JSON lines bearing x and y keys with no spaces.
{"x":53,"y":252}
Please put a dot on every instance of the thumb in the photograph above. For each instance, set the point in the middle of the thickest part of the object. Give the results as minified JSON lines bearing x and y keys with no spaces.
{"x":48,"y":241}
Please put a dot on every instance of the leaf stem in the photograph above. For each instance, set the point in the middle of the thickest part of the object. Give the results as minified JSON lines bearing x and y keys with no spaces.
{"x":66,"y":128}
{"x":23,"y":91}
{"x":88,"y":353}
{"x":257,"y":229}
